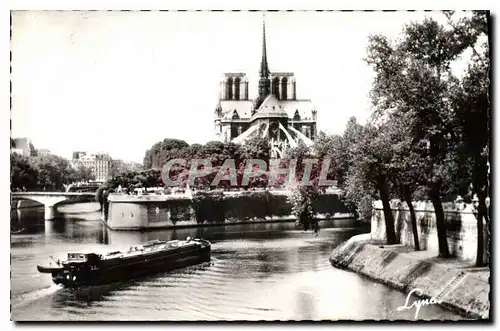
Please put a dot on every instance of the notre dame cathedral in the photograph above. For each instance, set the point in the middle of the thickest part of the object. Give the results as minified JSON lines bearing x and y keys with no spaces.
{"x":275,"y":114}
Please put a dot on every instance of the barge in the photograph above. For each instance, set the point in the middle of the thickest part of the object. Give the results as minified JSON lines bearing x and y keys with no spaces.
{"x":87,"y":269}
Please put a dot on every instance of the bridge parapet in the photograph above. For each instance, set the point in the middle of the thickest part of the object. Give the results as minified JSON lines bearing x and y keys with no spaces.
{"x":41,"y":193}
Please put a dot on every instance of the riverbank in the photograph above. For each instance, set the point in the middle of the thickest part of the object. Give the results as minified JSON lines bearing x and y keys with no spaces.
{"x":458,"y":285}
{"x":205,"y":208}
{"x":343,"y":221}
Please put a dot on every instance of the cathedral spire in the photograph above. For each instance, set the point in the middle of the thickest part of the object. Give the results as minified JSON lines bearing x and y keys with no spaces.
{"x":264,"y":82}
{"x":264,"y":69}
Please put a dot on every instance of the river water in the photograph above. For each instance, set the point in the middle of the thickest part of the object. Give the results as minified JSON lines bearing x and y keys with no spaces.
{"x":257,"y":272}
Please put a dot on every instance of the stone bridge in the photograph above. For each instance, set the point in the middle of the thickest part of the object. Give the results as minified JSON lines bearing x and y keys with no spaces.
{"x":51,"y":199}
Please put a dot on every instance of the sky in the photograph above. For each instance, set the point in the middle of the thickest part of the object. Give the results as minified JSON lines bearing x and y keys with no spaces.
{"x":118,"y":82}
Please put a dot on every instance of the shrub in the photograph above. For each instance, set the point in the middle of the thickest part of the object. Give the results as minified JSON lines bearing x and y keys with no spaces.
{"x":180,"y":210}
{"x":302,"y":199}
{"x":209,"y":206}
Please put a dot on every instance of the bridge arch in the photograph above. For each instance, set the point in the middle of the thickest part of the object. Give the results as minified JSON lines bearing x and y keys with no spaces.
{"x":50,"y":200}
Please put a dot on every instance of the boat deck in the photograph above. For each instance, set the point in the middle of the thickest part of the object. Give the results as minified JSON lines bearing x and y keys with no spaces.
{"x":141,"y":249}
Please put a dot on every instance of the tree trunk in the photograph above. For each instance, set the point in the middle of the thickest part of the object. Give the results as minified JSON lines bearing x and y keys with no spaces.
{"x":440,"y":223}
{"x":389,"y":220}
{"x":480,"y":188}
{"x":481,"y":213}
{"x":407,"y":198}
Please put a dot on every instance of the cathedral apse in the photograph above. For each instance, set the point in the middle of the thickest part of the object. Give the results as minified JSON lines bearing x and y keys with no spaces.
{"x":275,"y":113}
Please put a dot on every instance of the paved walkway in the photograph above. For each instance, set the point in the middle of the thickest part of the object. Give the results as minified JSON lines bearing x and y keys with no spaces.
{"x":467,"y":265}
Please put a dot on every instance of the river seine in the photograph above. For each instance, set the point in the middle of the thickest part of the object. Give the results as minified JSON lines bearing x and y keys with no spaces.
{"x":257,"y":272}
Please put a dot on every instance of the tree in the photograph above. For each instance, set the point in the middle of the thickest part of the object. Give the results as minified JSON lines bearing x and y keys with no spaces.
{"x":255,"y":148}
{"x":302,"y":206}
{"x":119,"y":167}
{"x":341,"y":150}
{"x":105,"y":202}
{"x":414,"y":76}
{"x":406,"y":168}
{"x":163,"y":151}
{"x":83,"y":173}
{"x":99,"y":196}
{"x":53,"y":172}
{"x":22,"y":173}
{"x":370,"y":170}
{"x":472,"y":104}
{"x":346,"y":152}
{"x":33,"y":151}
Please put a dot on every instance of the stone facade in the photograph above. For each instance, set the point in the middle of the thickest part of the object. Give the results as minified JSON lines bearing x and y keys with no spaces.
{"x":137,"y":212}
{"x":460,"y":222}
{"x":99,"y":164}
{"x":21,"y":146}
{"x":143,"y":212}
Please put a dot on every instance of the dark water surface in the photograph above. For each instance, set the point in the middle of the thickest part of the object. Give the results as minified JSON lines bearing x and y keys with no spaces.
{"x":257,"y":272}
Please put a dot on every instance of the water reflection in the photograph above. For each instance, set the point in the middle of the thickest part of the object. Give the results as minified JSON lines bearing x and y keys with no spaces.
{"x":305,"y":305}
{"x":258,"y":272}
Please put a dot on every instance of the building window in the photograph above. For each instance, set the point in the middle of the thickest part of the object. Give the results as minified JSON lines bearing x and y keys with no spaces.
{"x":229,"y":88}
{"x":284,"y":82}
{"x":276,"y":87}
{"x":237,"y":88}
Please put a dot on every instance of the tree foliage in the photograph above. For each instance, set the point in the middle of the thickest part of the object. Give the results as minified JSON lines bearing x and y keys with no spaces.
{"x":416,"y":90}
{"x":301,"y":199}
{"x":23,"y":176}
{"x":341,"y":150}
{"x":44,"y":173}
{"x":162,"y":151}
{"x":119,"y":167}
{"x":472,"y":122}
{"x":83,"y":173}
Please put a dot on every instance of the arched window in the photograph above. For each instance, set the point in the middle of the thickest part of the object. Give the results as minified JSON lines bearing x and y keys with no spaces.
{"x":276,"y":87}
{"x":296,"y":116}
{"x":229,"y":89}
{"x":237,"y":81}
{"x":274,"y":130}
{"x":284,"y":82}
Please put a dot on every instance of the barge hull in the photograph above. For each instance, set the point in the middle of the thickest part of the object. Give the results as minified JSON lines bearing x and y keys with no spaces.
{"x":132,"y":267}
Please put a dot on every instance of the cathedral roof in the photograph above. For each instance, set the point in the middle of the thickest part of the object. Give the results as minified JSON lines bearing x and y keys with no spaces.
{"x":282,"y":108}
{"x":270,"y":107}
{"x":243,"y":107}
{"x":304,"y":107}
